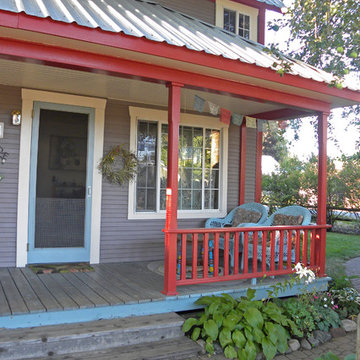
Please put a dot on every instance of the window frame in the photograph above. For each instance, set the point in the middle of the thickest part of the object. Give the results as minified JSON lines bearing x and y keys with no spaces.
{"x":161,"y":117}
{"x":252,"y":12}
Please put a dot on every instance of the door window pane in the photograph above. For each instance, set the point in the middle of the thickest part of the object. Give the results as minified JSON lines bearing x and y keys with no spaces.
{"x":244,"y":26}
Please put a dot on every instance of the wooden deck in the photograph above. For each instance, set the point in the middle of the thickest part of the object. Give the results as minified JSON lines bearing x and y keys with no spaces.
{"x":112,"y":290}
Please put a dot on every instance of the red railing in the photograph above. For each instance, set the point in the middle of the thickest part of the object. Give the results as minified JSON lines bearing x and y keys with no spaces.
{"x":193,"y":256}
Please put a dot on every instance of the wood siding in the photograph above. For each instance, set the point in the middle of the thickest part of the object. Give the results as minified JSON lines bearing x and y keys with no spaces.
{"x":10,"y":99}
{"x":200,"y":9}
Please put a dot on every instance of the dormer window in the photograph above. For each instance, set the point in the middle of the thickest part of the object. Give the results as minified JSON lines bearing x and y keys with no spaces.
{"x":238,"y":18}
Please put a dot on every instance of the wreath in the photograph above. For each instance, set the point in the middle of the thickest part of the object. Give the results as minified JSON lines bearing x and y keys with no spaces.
{"x":110,"y":169}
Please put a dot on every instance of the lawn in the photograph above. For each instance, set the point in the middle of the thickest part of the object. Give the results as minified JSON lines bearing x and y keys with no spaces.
{"x":339,"y":249}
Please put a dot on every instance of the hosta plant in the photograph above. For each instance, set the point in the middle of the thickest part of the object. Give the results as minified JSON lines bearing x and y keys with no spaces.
{"x":243,"y":327}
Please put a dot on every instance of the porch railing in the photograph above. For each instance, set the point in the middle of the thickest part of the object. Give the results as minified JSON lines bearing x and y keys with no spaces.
{"x":193,"y":256}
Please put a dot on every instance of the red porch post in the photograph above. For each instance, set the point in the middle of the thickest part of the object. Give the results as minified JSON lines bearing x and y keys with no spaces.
{"x":242,"y":170}
{"x":320,"y":248}
{"x":172,"y":188}
{"x":258,"y":172}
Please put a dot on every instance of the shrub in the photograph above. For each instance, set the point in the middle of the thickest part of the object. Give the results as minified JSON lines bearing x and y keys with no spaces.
{"x":243,"y":327}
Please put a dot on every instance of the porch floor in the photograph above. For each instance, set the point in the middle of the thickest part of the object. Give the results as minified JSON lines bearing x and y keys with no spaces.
{"x":111,"y":290}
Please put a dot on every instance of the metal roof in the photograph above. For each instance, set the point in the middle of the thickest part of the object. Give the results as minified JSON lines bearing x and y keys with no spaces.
{"x":276,"y":3}
{"x":148,"y":19}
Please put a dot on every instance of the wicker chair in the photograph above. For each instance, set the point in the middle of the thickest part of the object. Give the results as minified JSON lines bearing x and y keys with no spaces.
{"x":227,"y":222}
{"x":293,"y":210}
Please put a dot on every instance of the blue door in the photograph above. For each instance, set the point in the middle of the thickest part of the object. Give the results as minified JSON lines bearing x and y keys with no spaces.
{"x":60,"y":184}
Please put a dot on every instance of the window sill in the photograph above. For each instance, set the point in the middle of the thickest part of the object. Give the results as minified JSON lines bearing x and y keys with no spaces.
{"x":181,"y":215}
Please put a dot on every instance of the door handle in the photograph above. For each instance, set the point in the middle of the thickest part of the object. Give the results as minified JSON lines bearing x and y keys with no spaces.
{"x":89,"y":191}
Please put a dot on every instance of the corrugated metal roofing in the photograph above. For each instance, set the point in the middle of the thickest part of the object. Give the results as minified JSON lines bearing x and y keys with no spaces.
{"x":143,"y":18}
{"x":276,"y":3}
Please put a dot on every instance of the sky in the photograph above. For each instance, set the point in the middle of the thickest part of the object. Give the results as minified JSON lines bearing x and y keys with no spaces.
{"x":307,"y":144}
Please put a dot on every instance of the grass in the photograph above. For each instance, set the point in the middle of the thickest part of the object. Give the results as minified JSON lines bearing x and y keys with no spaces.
{"x":339,"y":249}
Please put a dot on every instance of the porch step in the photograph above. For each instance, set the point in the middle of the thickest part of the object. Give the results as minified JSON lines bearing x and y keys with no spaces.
{"x":89,"y":336}
{"x":181,"y":348}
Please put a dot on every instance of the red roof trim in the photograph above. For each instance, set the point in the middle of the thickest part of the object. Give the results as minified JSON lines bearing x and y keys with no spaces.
{"x":81,"y":60}
{"x":142,"y":45}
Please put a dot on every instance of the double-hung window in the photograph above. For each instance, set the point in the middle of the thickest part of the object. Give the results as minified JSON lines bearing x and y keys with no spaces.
{"x":237,"y":18}
{"x":201,"y":168}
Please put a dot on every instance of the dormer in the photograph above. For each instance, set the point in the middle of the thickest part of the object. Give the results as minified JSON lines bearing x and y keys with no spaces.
{"x":245,"y":17}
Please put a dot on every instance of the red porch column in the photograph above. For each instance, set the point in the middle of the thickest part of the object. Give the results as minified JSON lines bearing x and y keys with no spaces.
{"x":172,"y":188}
{"x":258,"y":172}
{"x":242,"y":168}
{"x":320,"y":248}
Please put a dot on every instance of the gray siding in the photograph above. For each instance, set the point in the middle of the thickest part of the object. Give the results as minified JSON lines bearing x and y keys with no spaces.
{"x":250,"y":172}
{"x":200,"y":9}
{"x":140,"y":240}
{"x":10,"y":99}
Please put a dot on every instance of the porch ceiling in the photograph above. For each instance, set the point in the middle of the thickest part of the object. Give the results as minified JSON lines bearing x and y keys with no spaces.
{"x":43,"y":77}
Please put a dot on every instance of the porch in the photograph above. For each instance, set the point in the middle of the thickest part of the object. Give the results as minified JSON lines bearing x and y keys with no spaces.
{"x":110,"y":291}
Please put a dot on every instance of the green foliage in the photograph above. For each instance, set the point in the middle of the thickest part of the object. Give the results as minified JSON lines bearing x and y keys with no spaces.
{"x":243,"y":327}
{"x":331,"y":356}
{"x":347,"y":301}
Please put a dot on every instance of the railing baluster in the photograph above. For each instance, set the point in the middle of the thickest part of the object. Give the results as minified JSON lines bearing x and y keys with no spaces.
{"x":305,"y":248}
{"x":226,"y":253}
{"x":205,"y":255}
{"x":246,"y":252}
{"x":183,"y":256}
{"x":194,"y":255}
{"x":281,"y":250}
{"x":297,"y":246}
{"x":236,"y":253}
{"x":272,"y":250}
{"x":255,"y":246}
{"x":312,"y":247}
{"x":263,"y":250}
{"x":216,"y":254}
{"x":289,"y":248}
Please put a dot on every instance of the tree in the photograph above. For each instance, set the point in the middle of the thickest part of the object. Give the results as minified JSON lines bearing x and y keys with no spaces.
{"x":275,"y":145}
{"x":296,"y":183}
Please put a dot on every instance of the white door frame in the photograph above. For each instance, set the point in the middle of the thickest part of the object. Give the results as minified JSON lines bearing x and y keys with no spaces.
{"x":28,"y":99}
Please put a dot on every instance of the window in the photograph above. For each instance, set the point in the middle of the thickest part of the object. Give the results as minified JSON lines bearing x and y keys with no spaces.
{"x":238,"y":18}
{"x":242,"y":25}
{"x":201,"y":170}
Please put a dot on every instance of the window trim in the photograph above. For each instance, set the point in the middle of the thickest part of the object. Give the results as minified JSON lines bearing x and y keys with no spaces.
{"x":161,"y":117}
{"x":253,"y":13}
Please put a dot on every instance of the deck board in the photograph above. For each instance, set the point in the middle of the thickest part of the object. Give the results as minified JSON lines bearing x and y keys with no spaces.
{"x":15,"y":300}
{"x":45,"y":296}
{"x":94,"y":297}
{"x":58,"y":292}
{"x":28,"y":294}
{"x":4,"y":306}
{"x":94,"y":282}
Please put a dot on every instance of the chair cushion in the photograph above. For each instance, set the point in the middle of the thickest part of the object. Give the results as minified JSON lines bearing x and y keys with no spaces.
{"x":281,"y":219}
{"x":245,"y":216}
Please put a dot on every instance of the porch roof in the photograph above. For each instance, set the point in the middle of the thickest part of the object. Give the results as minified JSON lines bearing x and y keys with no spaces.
{"x":147,"y":19}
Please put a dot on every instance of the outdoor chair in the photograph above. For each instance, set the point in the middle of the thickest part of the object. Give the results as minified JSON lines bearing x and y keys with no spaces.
{"x":236,"y":218}
{"x":289,"y":215}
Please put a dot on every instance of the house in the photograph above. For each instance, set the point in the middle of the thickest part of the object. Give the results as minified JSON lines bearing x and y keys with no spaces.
{"x":81,"y":76}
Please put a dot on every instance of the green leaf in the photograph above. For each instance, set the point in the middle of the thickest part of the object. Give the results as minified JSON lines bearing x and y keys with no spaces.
{"x":188,"y":324}
{"x":250,"y":350}
{"x":242,"y":354}
{"x":269,"y":349}
{"x":250,"y":294}
{"x":282,"y":336}
{"x":270,"y":330}
{"x":211,"y":329}
{"x":350,"y":357}
{"x":209,"y":347}
{"x":254,"y":318}
{"x":213,"y":307}
{"x":195,"y":334}
{"x":225,"y":337}
{"x":206,"y":300}
{"x":248,"y":334}
{"x":238,"y":338}
{"x":218,"y":318}
{"x":258,"y":335}
{"x":230,"y":321}
{"x":230,"y":352}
